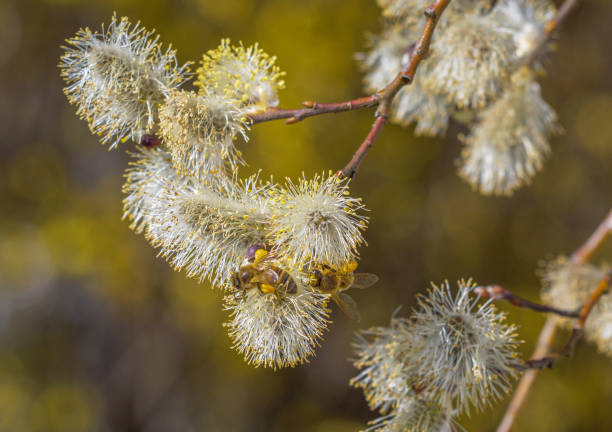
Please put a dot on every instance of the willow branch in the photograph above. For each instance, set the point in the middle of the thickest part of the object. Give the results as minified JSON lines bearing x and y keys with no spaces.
{"x":433,"y":13}
{"x":418,"y":53}
{"x":545,"y":340}
{"x":594,"y":242}
{"x":351,"y":168}
{"x":382,"y":99}
{"x":547,"y":334}
{"x":312,"y":108}
{"x":555,"y":22}
{"x":497,"y":292}
{"x":578,"y":330}
{"x":563,"y":12}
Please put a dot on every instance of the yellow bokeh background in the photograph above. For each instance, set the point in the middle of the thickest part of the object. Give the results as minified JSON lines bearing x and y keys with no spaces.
{"x":98,"y":334}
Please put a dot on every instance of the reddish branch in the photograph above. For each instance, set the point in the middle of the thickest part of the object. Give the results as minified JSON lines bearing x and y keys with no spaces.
{"x":497,"y":292}
{"x":594,"y":242}
{"x":314,"y":108}
{"x":417,"y":54}
{"x":577,"y":332}
{"x":547,"y":335}
{"x":383,"y":98}
{"x":351,"y":168}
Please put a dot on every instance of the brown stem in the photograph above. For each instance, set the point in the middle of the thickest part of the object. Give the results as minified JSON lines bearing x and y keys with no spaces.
{"x":312,"y":109}
{"x":594,"y":242}
{"x":578,"y":330}
{"x":350,"y":169}
{"x":563,"y":12}
{"x":385,"y":97}
{"x":547,"y":334}
{"x":497,"y":292}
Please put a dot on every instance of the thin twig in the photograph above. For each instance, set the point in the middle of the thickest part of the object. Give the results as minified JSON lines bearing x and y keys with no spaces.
{"x":383,"y":98}
{"x":594,"y":242}
{"x":497,"y":292}
{"x":547,"y":334}
{"x":562,"y":13}
{"x":545,"y":340}
{"x":417,"y":54}
{"x":351,"y":168}
{"x":312,"y":109}
{"x":578,"y":330}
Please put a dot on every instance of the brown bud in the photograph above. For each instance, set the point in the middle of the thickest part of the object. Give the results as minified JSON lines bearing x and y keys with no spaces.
{"x":149,"y":141}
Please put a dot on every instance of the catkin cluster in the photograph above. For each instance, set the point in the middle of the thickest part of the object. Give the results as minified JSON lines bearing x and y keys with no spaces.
{"x":280,"y":251}
{"x":481,"y":71}
{"x":452,"y":353}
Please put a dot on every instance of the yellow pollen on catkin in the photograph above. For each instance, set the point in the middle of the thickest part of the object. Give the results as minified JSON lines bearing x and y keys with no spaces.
{"x":260,"y":254}
{"x":246,"y":74}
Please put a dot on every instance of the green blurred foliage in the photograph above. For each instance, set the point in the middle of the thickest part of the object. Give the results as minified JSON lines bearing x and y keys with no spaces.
{"x":96,"y":333}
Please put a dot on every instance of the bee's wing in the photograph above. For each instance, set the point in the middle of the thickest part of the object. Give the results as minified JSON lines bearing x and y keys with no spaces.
{"x":347,"y":305}
{"x":364,"y":280}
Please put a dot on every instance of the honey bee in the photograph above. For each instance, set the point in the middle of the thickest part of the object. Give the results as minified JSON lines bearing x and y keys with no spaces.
{"x":260,"y":272}
{"x":333,"y":281}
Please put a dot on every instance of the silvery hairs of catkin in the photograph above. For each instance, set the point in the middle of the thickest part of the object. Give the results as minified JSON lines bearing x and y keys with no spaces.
{"x":414,"y":414}
{"x":381,"y":362}
{"x":204,"y":227}
{"x":430,"y":101}
{"x":315,"y":220}
{"x":245,"y":74}
{"x":473,"y":55}
{"x":199,"y":131}
{"x":567,"y":285}
{"x":145,"y":184}
{"x":470,"y":62}
{"x":118,"y":78}
{"x":207,"y":228}
{"x":526,"y":20}
{"x":277,"y":331}
{"x":461,"y":350}
{"x":453,"y":350}
{"x":507,"y":147}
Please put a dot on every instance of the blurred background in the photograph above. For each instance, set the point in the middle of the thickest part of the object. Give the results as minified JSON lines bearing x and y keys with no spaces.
{"x":97,"y":334}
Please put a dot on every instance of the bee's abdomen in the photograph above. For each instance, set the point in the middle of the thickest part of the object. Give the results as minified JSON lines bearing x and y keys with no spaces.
{"x":287,"y":281}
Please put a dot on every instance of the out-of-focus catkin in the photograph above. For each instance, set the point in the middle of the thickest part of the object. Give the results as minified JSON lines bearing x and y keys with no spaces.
{"x":507,"y":147}
{"x":567,"y":285}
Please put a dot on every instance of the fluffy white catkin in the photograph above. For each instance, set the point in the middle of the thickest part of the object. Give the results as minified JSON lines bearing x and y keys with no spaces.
{"x":118,"y":78}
